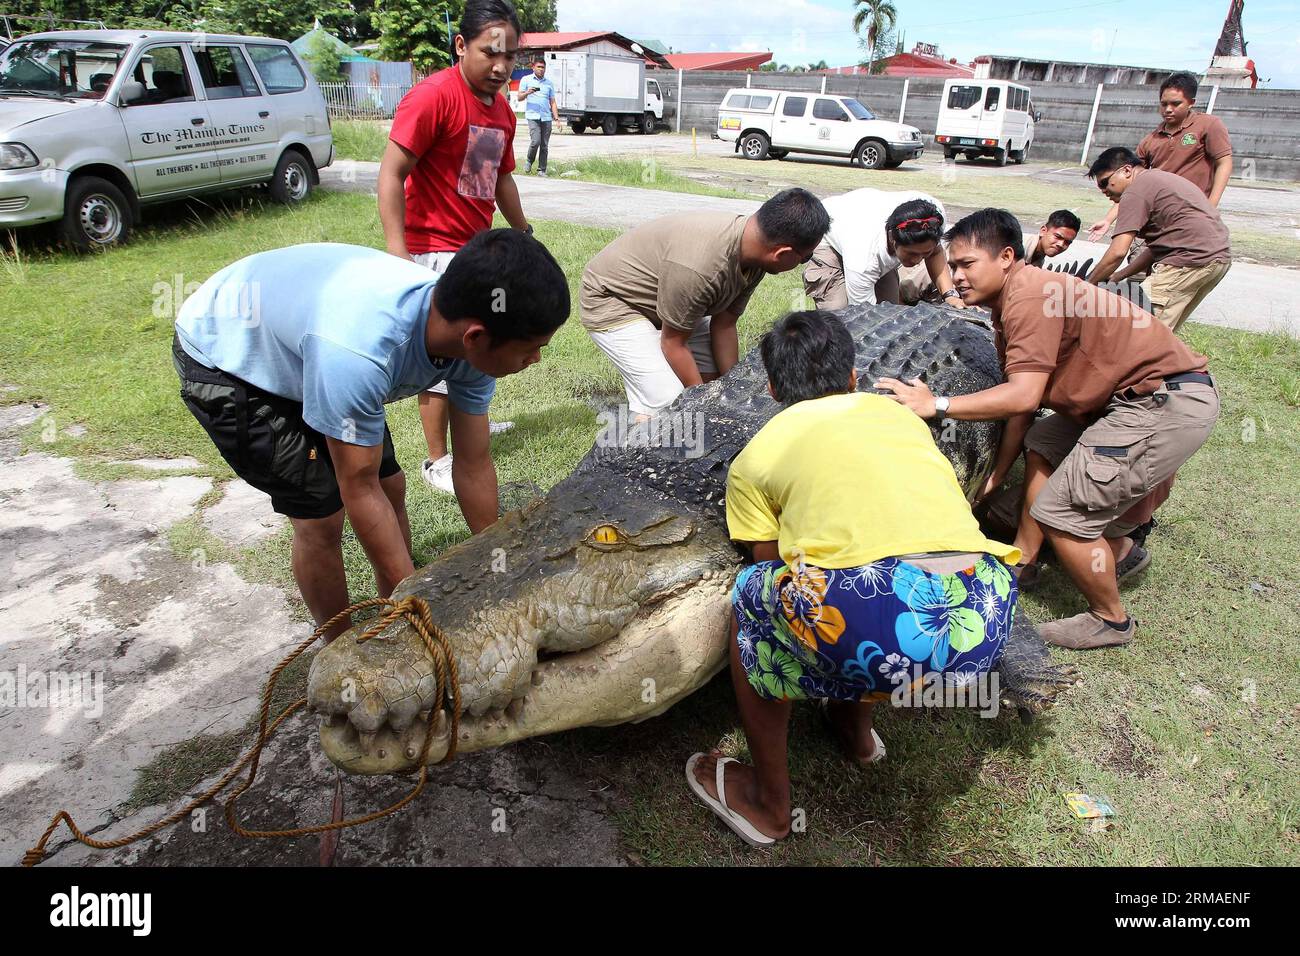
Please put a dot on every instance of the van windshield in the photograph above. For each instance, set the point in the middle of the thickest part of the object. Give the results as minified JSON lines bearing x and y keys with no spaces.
{"x":80,"y":69}
{"x":857,"y":110}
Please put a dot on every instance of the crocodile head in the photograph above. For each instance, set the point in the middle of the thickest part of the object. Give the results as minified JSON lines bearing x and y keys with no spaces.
{"x":602,"y":603}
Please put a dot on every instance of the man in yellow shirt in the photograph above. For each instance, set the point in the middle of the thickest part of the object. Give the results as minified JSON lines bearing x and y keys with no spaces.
{"x":870,"y":570}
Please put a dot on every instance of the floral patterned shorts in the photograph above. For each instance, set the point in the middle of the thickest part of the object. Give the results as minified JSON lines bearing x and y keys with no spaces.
{"x":855,"y":633}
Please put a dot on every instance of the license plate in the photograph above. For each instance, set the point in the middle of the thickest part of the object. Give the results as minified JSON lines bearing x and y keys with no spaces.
{"x":967,"y":142}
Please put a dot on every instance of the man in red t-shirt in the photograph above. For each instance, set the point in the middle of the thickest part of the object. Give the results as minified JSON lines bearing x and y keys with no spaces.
{"x":447,"y":168}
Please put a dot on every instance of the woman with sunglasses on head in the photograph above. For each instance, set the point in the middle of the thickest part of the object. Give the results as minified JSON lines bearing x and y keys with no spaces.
{"x":873,"y":234}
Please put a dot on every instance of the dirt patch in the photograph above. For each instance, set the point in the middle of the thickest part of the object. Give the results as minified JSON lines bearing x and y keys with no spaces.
{"x":1126,"y":754}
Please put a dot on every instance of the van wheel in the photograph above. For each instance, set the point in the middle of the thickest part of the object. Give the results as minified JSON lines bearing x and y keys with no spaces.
{"x":1000,"y":154}
{"x":578,"y":127}
{"x":610,"y":126}
{"x":972,"y":156}
{"x":778,"y":153}
{"x":871,"y":154}
{"x":950,"y":154}
{"x":755,"y":146}
{"x":1022,"y":155}
{"x":647,"y":123}
{"x":291,"y":183}
{"x":95,"y":214}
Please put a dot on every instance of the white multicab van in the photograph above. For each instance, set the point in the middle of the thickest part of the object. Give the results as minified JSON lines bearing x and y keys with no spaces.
{"x":95,"y":124}
{"x":774,"y":123}
{"x":986,"y":118}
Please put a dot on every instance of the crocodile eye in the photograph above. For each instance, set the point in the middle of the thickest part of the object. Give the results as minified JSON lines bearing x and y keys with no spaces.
{"x":606,"y":534}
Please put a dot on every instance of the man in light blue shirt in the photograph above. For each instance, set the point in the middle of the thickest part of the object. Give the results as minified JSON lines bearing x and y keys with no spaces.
{"x":287,"y":359}
{"x":540,"y":110}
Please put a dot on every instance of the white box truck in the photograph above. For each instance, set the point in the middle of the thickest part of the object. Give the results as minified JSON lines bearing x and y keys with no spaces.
{"x":598,"y":91}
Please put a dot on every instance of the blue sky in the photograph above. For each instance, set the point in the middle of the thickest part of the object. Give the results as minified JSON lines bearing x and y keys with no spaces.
{"x":1096,"y":31}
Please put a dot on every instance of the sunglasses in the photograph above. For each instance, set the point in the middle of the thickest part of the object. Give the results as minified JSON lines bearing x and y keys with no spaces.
{"x":1103,"y":183}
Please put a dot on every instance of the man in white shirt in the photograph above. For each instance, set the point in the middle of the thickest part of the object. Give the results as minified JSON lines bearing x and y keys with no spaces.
{"x":873,"y":232}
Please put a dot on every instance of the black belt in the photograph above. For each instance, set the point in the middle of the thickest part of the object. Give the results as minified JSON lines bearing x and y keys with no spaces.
{"x":1173,"y":383}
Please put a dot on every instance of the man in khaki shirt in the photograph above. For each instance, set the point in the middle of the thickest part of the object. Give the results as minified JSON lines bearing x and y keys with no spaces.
{"x":1132,"y":404}
{"x":1186,"y":239}
{"x":662,"y":300}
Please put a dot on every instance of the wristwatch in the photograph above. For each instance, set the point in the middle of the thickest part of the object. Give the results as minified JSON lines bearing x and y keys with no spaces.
{"x":941,"y":403}
{"x":950,"y":293}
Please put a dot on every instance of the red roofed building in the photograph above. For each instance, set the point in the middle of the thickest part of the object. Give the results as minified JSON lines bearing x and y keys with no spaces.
{"x":922,"y":61}
{"x":719,"y":60}
{"x":616,"y":44}
{"x":609,"y":43}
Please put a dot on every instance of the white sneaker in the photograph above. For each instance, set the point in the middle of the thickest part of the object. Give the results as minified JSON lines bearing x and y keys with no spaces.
{"x":496,"y":428}
{"x":437,"y":474}
{"x":528,"y":169}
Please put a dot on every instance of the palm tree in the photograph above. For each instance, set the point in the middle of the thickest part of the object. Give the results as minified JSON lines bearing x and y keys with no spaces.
{"x":878,"y":16}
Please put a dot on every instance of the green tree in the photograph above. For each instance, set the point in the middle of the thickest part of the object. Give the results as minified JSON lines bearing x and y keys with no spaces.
{"x":325,"y":60}
{"x":876,"y":17}
{"x":416,"y":31}
{"x":536,"y":16}
{"x":885,"y":41}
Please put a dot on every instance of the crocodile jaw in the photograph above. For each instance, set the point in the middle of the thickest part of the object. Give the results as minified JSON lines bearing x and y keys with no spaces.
{"x":668,"y":651}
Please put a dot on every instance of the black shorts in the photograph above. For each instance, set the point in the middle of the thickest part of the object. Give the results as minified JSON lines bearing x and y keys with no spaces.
{"x":264,"y":439}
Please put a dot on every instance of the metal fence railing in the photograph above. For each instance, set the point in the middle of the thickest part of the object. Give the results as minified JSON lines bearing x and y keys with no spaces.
{"x":363,"y":100}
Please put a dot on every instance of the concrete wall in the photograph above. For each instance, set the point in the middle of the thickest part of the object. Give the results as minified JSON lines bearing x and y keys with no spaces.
{"x":1264,"y":124}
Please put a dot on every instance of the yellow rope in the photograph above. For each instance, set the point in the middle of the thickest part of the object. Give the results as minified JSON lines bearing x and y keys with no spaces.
{"x":446,"y":693}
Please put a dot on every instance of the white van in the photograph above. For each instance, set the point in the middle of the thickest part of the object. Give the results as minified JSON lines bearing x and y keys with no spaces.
{"x":774,"y":123}
{"x":95,"y":124}
{"x":986,"y":118}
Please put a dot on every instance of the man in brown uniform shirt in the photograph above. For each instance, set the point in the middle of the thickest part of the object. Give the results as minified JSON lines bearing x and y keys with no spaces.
{"x":662,"y":300}
{"x":1132,"y":404}
{"x":1195,"y":146}
{"x":1186,"y":238}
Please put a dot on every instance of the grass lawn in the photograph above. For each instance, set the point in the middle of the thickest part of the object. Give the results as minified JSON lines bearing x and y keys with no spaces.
{"x":360,"y":140}
{"x":1192,"y":732}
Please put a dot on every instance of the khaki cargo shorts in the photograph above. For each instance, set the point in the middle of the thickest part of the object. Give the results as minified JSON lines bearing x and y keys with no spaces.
{"x":1103,"y":469}
{"x":1176,"y":291}
{"x":823,"y":279}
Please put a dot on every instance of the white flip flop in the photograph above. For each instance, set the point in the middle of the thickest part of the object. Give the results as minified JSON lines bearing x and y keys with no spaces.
{"x":878,"y":754}
{"x":738,"y":824}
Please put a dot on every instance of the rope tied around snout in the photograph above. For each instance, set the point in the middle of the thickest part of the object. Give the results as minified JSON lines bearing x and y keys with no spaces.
{"x":415,"y":611}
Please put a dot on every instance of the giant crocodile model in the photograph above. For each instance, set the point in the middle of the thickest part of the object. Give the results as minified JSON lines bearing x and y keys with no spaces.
{"x":606,"y":601}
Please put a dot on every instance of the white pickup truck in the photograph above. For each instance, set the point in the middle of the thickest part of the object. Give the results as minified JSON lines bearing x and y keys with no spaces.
{"x":774,"y":123}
